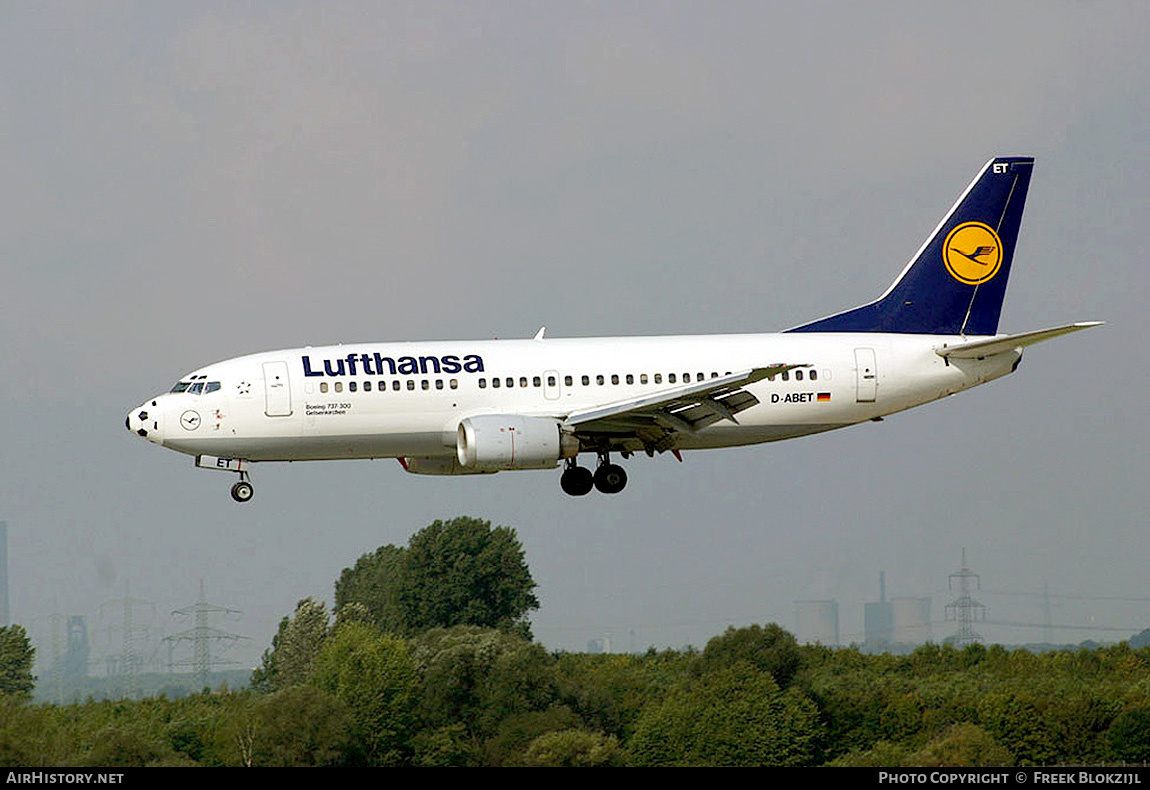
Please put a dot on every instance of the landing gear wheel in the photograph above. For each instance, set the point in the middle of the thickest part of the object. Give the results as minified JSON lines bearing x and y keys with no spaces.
{"x":242,"y":491}
{"x":610,"y":478}
{"x":577,"y":480}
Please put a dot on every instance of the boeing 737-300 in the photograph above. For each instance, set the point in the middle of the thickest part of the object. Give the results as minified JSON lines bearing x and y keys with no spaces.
{"x":478,"y":407}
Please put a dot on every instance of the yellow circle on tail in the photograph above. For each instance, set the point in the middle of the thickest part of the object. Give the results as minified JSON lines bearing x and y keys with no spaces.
{"x":972,"y":253}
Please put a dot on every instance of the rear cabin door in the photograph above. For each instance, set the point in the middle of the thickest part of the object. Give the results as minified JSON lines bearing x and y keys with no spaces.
{"x":867,"y":374}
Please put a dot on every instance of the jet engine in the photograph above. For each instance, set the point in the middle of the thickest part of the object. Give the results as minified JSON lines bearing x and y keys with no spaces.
{"x":491,"y":442}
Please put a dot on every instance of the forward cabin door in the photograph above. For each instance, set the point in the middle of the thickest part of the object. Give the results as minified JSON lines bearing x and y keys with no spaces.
{"x":866,"y":372}
{"x":277,"y":390}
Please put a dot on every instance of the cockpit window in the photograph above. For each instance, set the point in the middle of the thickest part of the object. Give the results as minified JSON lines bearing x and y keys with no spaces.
{"x":196,"y":387}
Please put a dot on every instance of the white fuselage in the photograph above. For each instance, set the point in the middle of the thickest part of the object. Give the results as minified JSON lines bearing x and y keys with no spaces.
{"x":406,"y":400}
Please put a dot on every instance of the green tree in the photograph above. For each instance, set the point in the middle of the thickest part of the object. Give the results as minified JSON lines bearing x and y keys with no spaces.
{"x":16,"y":655}
{"x":883,"y":755}
{"x":457,"y":572}
{"x":611,"y":691}
{"x":463,"y":572}
{"x":516,"y":732}
{"x":1014,"y":720}
{"x":300,"y":726}
{"x":1129,"y":735}
{"x":294,"y":648}
{"x":476,"y":678}
{"x":964,"y":745}
{"x":132,"y":742}
{"x":574,"y":749}
{"x":374,"y":582}
{"x":736,"y":716}
{"x":374,"y":674}
{"x":29,"y":735}
{"x":770,"y":649}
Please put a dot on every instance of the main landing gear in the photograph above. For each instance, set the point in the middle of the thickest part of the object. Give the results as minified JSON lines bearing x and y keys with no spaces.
{"x":578,"y":480}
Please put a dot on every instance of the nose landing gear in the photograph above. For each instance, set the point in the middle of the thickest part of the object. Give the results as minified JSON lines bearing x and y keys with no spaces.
{"x":243,"y":491}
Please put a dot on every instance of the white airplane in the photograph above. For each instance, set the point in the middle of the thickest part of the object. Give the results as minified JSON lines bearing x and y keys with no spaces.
{"x":455,"y":408}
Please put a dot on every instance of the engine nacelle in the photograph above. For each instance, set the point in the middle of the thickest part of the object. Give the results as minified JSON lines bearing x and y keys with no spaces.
{"x":491,"y":442}
{"x":440,"y":466}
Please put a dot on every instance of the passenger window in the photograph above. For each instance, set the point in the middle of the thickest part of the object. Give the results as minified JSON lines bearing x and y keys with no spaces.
{"x":382,"y":386}
{"x":323,"y":386}
{"x":586,"y":380}
{"x":671,"y":378}
{"x":439,"y":384}
{"x":568,"y":380}
{"x":495,"y":383}
{"x":630,"y":378}
{"x":614,"y":378}
{"x":798,"y":375}
{"x":510,"y":382}
{"x":425,"y":384}
{"x":351,"y":386}
{"x":700,"y":376}
{"x":395,"y":386}
{"x":523,"y":381}
{"x":339,"y":386}
{"x":550,"y":381}
{"x":367,"y":386}
{"x":483,"y":384}
{"x":411,"y":384}
{"x":786,"y":375}
{"x":642,"y":378}
{"x":599,"y":379}
{"x":814,"y":375}
{"x":538,"y":382}
{"x":658,"y":378}
{"x":454,"y":384}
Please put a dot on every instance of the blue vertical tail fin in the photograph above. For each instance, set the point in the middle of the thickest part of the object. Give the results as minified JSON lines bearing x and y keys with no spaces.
{"x":956,"y":282}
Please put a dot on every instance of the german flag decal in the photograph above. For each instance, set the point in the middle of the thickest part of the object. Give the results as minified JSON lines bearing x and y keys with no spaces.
{"x":824,"y":397}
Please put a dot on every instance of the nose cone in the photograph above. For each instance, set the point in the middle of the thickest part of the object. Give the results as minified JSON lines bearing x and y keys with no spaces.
{"x":144,"y":421}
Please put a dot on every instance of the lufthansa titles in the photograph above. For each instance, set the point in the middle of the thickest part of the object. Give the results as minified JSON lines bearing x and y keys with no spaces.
{"x":377,"y":365}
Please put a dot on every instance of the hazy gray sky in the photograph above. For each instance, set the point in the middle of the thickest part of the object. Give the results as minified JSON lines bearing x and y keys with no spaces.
{"x":182,"y":183}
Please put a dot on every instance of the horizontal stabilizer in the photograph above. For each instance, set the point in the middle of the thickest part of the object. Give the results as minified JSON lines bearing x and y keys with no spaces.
{"x":998,"y":345}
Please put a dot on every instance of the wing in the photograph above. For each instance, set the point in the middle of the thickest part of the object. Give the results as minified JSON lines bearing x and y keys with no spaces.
{"x":654,"y":422}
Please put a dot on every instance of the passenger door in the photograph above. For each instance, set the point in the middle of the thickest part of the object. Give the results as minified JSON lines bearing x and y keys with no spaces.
{"x":277,"y":390}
